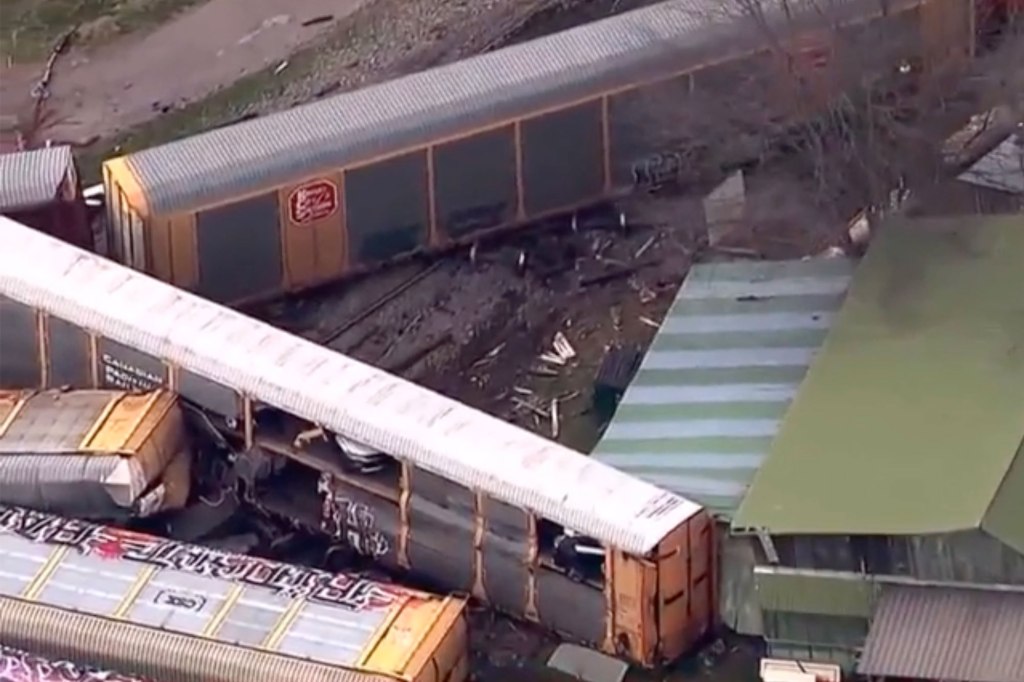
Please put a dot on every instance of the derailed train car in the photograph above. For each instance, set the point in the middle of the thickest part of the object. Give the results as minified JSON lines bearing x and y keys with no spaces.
{"x":93,"y":454}
{"x":419,"y":482}
{"x":148,"y":606}
{"x":445,"y":156}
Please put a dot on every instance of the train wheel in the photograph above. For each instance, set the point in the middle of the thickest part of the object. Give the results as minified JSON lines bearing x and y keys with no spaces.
{"x":521,"y":263}
{"x":474,"y":252}
{"x":623,"y":222}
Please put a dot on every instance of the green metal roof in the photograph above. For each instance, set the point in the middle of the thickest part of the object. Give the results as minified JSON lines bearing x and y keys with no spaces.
{"x":709,"y":396}
{"x":911,"y":416}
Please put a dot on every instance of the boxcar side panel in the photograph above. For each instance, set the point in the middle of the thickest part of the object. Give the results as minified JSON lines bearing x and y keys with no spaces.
{"x":505,"y":555}
{"x":183,"y":243}
{"x":634,"y":593}
{"x":121,"y":367}
{"x":20,"y":362}
{"x":68,"y":355}
{"x":563,"y":159}
{"x":313,"y":230}
{"x":239,"y":249}
{"x":475,"y":182}
{"x":209,"y":395}
{"x":576,"y":609}
{"x":387,"y":207}
{"x":643,"y":121}
{"x":441,"y":543}
{"x":368,"y":523}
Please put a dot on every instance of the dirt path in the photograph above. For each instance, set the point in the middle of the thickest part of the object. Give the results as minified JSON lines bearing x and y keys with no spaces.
{"x":127,"y":82}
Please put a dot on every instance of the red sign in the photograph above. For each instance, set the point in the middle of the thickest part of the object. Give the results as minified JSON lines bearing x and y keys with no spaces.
{"x":313,"y":201}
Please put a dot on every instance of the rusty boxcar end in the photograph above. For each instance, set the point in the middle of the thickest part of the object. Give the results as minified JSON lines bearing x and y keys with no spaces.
{"x":418,"y":481}
{"x":175,"y":612}
{"x":303,"y":197}
{"x":93,"y":454}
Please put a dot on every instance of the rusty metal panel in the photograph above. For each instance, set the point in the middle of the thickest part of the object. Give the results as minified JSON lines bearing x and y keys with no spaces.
{"x":937,"y":633}
{"x":125,"y":368}
{"x":441,"y":543}
{"x":19,"y":346}
{"x":475,"y":182}
{"x":576,"y":609}
{"x":563,"y":159}
{"x":386,"y":207}
{"x":69,"y":353}
{"x":239,"y":249}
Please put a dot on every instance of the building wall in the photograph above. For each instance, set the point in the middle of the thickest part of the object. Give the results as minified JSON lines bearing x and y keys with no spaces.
{"x":968,"y":556}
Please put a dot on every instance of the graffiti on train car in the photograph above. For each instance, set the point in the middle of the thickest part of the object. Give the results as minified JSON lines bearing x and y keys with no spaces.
{"x":351,"y":592}
{"x":20,"y":666}
{"x":313,"y":201}
{"x":351,"y":521}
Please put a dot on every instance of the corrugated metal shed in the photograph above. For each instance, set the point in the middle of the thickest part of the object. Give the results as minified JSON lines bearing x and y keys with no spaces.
{"x":707,"y":401}
{"x":472,"y":93}
{"x":946,"y":634}
{"x":915,"y":400}
{"x":32,"y":177}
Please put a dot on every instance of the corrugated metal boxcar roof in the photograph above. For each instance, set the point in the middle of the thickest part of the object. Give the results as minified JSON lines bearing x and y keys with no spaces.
{"x":932,"y":633}
{"x":32,"y":177}
{"x":709,"y":396}
{"x":480,"y":91}
{"x":344,"y":395}
{"x":910,"y":421}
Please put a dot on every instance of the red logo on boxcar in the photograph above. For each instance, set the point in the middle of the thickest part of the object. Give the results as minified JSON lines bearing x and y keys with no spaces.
{"x":313,"y":201}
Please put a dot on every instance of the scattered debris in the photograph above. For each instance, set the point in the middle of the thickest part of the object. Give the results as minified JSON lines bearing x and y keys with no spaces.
{"x":281,"y":67}
{"x":587,"y":664}
{"x":725,"y":208}
{"x":619,"y":365}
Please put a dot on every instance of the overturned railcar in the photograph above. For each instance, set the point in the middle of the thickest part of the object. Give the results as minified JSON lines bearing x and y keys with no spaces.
{"x":415,"y":480}
{"x":177,"y":613}
{"x":93,"y":454}
{"x":445,"y":156}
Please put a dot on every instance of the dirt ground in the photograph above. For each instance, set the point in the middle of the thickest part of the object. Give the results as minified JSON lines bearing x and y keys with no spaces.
{"x":102,"y":90}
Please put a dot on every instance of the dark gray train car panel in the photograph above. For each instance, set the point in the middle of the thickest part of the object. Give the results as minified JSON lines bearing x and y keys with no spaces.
{"x":570,"y":607}
{"x":644,"y":121}
{"x":239,"y":249}
{"x":127,"y":369}
{"x":506,"y":555}
{"x":209,"y":395}
{"x":19,"y":346}
{"x":563,"y":158}
{"x":70,"y":354}
{"x":440,"y":544}
{"x":371,"y":525}
{"x":475,"y":182}
{"x":387,"y":207}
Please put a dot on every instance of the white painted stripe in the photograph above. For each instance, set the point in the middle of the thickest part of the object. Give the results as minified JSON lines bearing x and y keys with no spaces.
{"x":715,"y":393}
{"x":696,"y":428}
{"x":796,"y":286}
{"x":681,"y":461}
{"x":720,"y":359}
{"x":760,"y":322}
